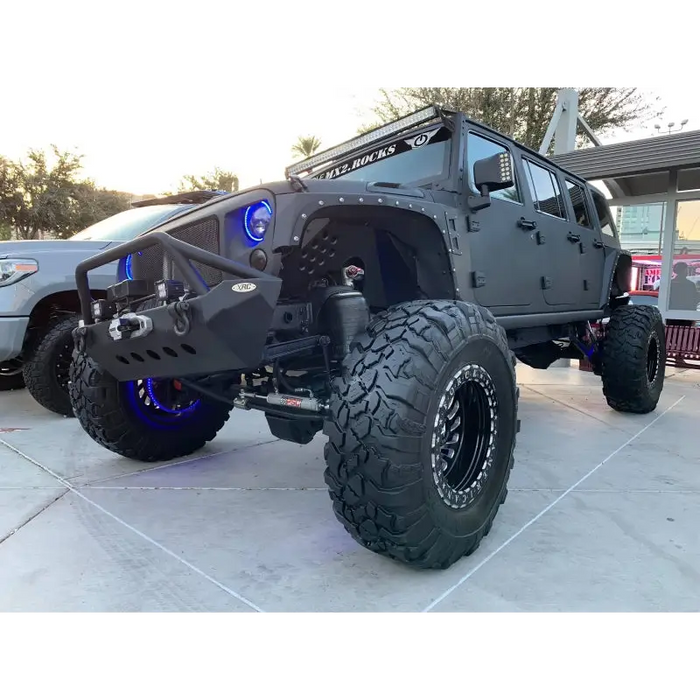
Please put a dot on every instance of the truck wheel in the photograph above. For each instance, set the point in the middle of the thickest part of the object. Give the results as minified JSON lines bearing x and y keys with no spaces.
{"x":144,"y":420}
{"x":422,"y":429}
{"x":11,"y":375}
{"x":634,"y":359}
{"x":47,"y":366}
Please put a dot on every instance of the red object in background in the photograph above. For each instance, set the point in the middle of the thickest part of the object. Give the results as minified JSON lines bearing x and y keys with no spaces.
{"x":649,"y":269}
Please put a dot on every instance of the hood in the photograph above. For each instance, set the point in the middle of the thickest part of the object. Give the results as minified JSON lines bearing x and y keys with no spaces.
{"x":33,"y":248}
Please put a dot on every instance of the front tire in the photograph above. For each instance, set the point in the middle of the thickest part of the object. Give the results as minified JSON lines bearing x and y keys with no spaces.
{"x":422,"y":432}
{"x":46,"y":369}
{"x":634,"y":359}
{"x":136,"y":421}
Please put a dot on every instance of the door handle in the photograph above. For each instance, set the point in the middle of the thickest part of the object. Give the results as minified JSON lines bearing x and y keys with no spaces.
{"x":529,"y":225}
{"x":598,"y":244}
{"x":574,"y":237}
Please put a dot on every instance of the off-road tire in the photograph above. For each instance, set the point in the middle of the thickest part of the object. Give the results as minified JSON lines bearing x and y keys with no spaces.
{"x":383,"y":412}
{"x":49,"y":356}
{"x":10,"y":378}
{"x":104,"y":410}
{"x":634,"y":359}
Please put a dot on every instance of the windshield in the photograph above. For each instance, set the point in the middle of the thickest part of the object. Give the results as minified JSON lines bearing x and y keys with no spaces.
{"x":127,"y":224}
{"x":415,"y":159}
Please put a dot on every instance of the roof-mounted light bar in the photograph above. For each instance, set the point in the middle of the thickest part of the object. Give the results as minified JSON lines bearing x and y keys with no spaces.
{"x":395,"y":127}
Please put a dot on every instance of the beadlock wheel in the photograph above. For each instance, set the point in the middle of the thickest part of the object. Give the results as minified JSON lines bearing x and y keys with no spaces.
{"x":421,"y":432}
{"x":464,"y":435}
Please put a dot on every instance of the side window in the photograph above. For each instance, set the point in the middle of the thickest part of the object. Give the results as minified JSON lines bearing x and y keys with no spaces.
{"x":545,"y":190}
{"x":577,"y":195}
{"x":479,"y":147}
{"x":603,"y":211}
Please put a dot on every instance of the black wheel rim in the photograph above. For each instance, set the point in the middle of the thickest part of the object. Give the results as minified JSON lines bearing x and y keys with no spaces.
{"x":11,"y":368}
{"x":653,"y":358}
{"x":62,"y":364}
{"x":464,"y":436}
{"x":161,"y":401}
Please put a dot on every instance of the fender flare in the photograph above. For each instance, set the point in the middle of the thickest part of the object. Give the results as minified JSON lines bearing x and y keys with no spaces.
{"x":618,"y":275}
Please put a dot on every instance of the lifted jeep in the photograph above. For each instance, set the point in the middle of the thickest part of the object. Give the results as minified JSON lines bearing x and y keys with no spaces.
{"x":380,"y":295}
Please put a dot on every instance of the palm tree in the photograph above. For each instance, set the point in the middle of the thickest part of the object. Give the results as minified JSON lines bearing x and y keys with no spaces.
{"x":306,"y":146}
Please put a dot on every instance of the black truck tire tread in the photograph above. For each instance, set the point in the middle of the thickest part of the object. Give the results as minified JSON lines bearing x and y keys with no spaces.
{"x":379,"y":499}
{"x":98,"y":405}
{"x":625,"y":346}
{"x":39,"y":366}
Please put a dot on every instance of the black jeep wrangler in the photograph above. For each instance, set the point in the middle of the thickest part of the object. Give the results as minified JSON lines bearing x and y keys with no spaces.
{"x":380,"y":295}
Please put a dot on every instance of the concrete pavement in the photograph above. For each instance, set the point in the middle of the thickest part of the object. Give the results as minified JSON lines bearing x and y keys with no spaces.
{"x":602,"y":515}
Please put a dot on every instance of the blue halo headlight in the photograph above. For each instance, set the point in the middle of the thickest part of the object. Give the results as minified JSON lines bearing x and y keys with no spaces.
{"x":256,"y":219}
{"x":127,"y":266}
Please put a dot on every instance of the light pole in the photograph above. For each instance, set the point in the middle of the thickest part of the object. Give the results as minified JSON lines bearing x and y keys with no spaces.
{"x":670,"y":128}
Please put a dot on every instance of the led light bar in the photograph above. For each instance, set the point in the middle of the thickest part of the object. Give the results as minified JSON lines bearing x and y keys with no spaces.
{"x":395,"y":127}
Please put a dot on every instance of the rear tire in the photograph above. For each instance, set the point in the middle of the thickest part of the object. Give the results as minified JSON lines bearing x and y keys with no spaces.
{"x":118,"y":416}
{"x":46,"y":369}
{"x":421,"y":373}
{"x":11,"y":375}
{"x":634,"y":359}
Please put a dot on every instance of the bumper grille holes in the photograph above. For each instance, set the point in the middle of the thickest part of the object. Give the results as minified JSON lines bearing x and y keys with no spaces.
{"x":154,"y":355}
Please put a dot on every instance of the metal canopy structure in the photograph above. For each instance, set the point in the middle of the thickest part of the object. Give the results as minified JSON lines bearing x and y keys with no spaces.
{"x":657,"y":178}
{"x":638,"y":167}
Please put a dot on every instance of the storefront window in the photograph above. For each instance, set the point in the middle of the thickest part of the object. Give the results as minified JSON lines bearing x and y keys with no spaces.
{"x":641,"y":227}
{"x":684,"y":288}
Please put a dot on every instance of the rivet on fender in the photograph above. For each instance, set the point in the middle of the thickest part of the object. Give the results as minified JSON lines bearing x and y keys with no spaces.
{"x":244,"y":287}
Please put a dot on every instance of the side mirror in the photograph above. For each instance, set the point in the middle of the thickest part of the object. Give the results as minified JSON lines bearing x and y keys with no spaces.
{"x":490,"y":175}
{"x":493,"y":173}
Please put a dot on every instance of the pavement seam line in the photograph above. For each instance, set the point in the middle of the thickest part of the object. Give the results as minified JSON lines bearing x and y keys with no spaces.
{"x":206,"y":488}
{"x":136,"y":531}
{"x":544,"y":511}
{"x":33,"y":516}
{"x":577,"y":410}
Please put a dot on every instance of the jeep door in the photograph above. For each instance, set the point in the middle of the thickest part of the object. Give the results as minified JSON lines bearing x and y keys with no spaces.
{"x":588,"y":240}
{"x":503,"y":255}
{"x":560,"y":272}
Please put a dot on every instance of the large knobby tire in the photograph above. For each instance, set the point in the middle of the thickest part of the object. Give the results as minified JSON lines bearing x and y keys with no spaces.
{"x":634,"y":359}
{"x":115,"y":415}
{"x":392,"y":486}
{"x":11,"y":377}
{"x":47,"y":365}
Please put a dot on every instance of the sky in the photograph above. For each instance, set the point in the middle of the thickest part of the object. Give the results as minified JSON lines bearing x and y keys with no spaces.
{"x":143,"y":138}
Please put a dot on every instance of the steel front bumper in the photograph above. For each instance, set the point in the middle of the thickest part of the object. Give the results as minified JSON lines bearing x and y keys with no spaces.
{"x":220,"y":329}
